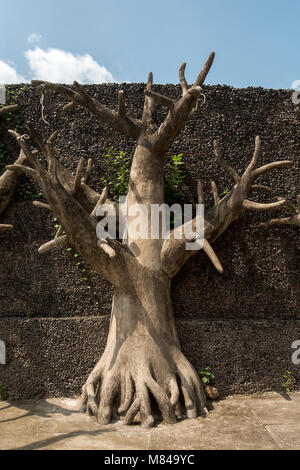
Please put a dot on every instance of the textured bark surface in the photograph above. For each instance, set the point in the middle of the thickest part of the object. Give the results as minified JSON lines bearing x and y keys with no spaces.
{"x":10,"y":178}
{"x":142,"y":373}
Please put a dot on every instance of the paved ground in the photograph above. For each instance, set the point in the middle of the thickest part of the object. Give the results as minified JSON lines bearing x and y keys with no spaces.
{"x":268,"y":421}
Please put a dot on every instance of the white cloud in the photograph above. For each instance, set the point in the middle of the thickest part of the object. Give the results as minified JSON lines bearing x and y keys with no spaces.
{"x":8,"y":74}
{"x":56,"y":65}
{"x":34,"y":37}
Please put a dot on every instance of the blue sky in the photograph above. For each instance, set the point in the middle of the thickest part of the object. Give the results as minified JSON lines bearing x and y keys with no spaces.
{"x":256,"y":42}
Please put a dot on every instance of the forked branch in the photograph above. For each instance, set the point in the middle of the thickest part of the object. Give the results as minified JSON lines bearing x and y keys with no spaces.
{"x":163,"y":135}
{"x":119,"y":121}
{"x":8,"y":183}
{"x":293,"y":219}
{"x":8,"y":109}
{"x":227,"y":210}
{"x":78,"y":224}
{"x":181,"y":111}
{"x":9,"y":179}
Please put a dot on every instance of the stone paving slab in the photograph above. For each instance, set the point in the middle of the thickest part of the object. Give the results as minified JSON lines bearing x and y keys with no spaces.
{"x":278,"y":410}
{"x":287,"y":436}
{"x":262,"y":422}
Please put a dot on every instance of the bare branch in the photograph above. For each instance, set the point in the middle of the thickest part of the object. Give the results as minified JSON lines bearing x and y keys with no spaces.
{"x":204,"y":72}
{"x":219,"y":154}
{"x":183,"y":82}
{"x":150,"y":81}
{"x":35,"y":137}
{"x":53,"y":244}
{"x":270,"y":166}
{"x":46,"y":148}
{"x":149,"y":112}
{"x":36,"y":165}
{"x":87,"y":197}
{"x":280,"y":221}
{"x":208,"y":249}
{"x":121,"y":105}
{"x":215,"y":192}
{"x":229,"y":209}
{"x":88,"y":172}
{"x":261,"y":188}
{"x":255,"y":158}
{"x":101,"y":201}
{"x":255,"y":206}
{"x":200,"y":193}
{"x":41,"y":205}
{"x":176,"y":120}
{"x":124,"y":125}
{"x":106,"y":248}
{"x":78,"y":224}
{"x":161,"y":99}
{"x":6,"y":228}
{"x":59,"y":232}
{"x":10,"y":178}
{"x":8,"y":109}
{"x":23,"y":169}
{"x":78,"y":176}
{"x":294,"y":219}
{"x":289,"y":206}
{"x":52,"y":137}
{"x":69,"y":107}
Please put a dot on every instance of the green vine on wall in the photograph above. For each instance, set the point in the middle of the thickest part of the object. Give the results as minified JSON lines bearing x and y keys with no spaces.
{"x":175,"y":187}
{"x":288,"y":382}
{"x":2,"y":393}
{"x":117,"y":171}
{"x":76,"y":257}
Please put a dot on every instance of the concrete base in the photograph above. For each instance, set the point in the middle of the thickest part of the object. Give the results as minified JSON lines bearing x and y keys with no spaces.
{"x":262,"y":422}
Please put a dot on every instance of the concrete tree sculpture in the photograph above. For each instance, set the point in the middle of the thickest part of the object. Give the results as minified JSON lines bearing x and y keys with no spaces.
{"x":143,"y":370}
{"x":10,"y":178}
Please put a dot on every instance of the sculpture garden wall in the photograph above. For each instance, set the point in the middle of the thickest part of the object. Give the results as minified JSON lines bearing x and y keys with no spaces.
{"x":243,"y":323}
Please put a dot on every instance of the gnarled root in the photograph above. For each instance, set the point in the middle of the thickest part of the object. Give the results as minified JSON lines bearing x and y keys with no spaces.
{"x":143,"y":390}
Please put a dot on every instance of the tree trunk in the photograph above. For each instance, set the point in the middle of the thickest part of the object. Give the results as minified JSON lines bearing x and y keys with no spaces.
{"x":143,"y":365}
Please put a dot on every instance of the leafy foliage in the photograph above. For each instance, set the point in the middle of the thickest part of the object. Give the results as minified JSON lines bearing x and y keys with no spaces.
{"x":224,"y":193}
{"x":2,"y":393}
{"x":206,"y":375}
{"x":117,"y":170}
{"x":175,"y":187}
{"x":288,"y":383}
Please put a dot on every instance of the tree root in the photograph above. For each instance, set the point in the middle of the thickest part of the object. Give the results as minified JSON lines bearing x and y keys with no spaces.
{"x":133,"y":392}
